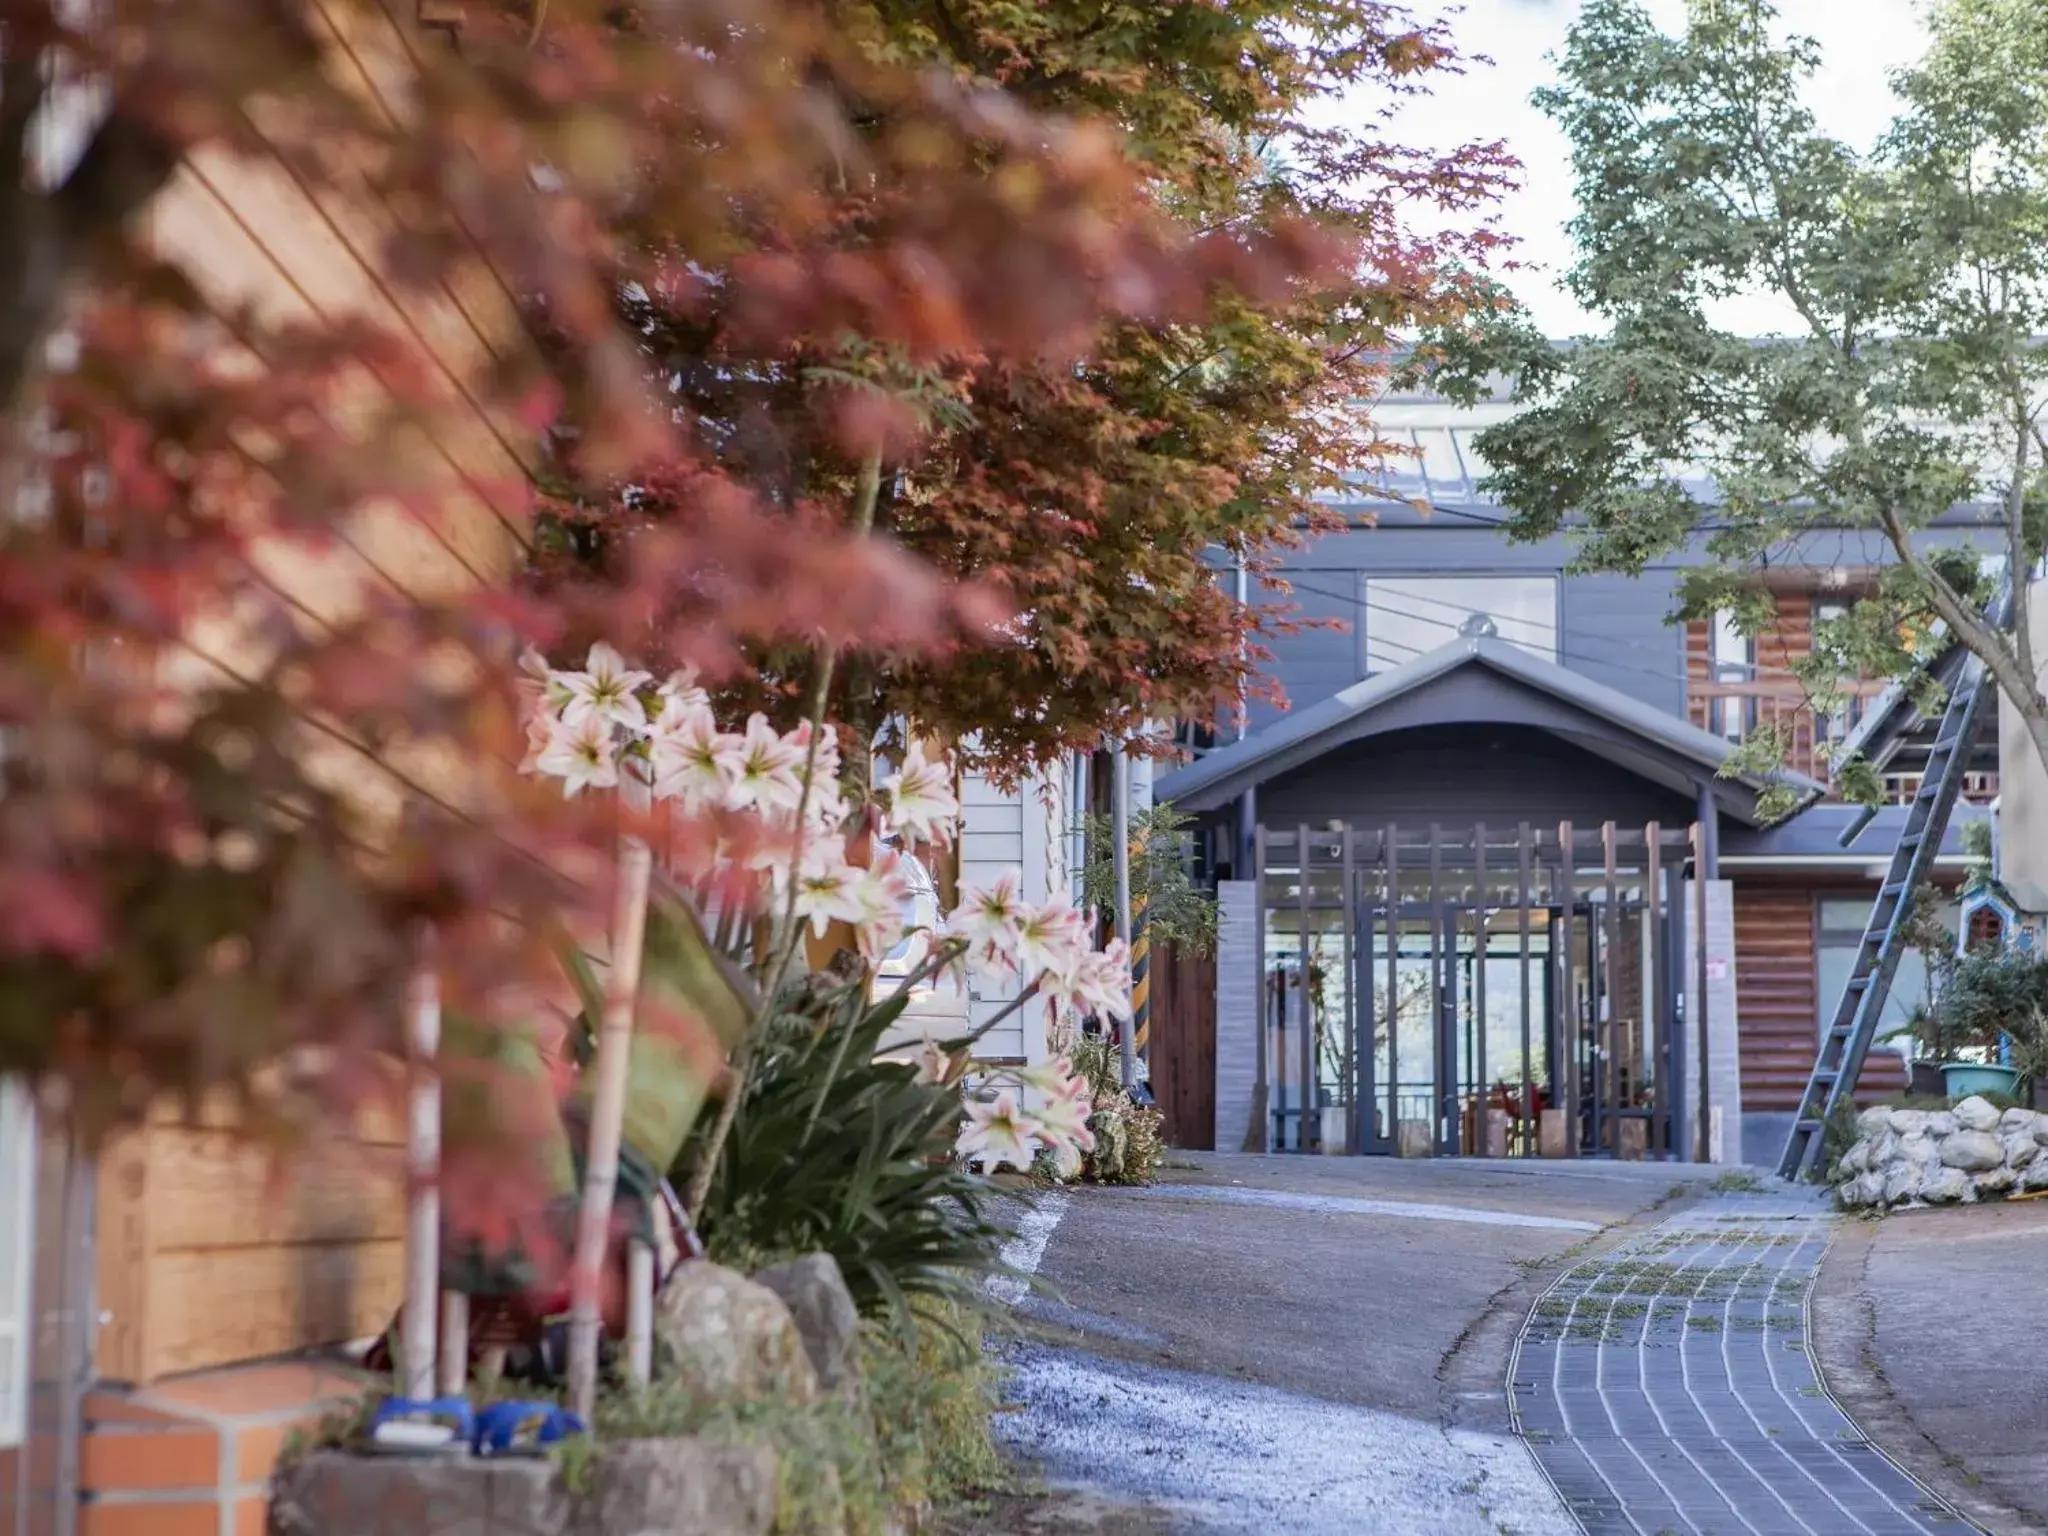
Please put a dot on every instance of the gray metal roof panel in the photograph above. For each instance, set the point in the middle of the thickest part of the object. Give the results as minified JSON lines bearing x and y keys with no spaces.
{"x":1652,"y":725}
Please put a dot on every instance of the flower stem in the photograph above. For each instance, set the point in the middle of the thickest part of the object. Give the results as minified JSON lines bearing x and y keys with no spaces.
{"x":783,"y":946}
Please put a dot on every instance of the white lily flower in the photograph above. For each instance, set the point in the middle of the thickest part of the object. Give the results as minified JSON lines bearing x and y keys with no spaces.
{"x":997,"y":1133}
{"x":988,"y":917}
{"x":607,"y":688}
{"x":1097,"y":982}
{"x":828,"y":890}
{"x":693,"y":761}
{"x":681,"y":689}
{"x":885,"y":892}
{"x":769,"y":773}
{"x":919,"y":798}
{"x":1050,"y":938}
{"x":581,"y":754}
{"x":1062,"y":1121}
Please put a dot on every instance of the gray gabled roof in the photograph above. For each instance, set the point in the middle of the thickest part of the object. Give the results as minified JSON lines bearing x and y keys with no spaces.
{"x":1624,"y":723}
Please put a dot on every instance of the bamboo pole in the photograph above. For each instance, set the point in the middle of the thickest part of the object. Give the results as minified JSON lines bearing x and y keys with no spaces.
{"x":607,"y":1112}
{"x":454,"y":1343}
{"x":423,"y":1165}
{"x":639,"y":1312}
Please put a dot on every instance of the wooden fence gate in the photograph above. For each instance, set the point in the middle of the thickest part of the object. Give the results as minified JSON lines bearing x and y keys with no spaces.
{"x":1183,"y":1062}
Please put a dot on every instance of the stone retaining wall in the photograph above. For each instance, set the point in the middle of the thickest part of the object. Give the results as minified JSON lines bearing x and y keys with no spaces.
{"x":1939,"y":1157}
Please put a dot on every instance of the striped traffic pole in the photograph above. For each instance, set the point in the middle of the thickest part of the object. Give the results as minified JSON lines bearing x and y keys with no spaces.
{"x":1141,"y":978}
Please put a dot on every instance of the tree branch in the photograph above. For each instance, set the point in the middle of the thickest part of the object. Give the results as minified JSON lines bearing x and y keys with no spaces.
{"x":2018,"y":566}
{"x":1969,"y":626}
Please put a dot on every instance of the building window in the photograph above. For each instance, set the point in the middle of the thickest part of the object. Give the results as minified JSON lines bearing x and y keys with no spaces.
{"x":1841,"y":935}
{"x":1409,"y":616}
{"x":1837,"y":725}
{"x":1734,"y":661}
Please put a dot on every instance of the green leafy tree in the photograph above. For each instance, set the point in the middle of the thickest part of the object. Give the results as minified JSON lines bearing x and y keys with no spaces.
{"x":1177,"y":911}
{"x":1910,"y":379}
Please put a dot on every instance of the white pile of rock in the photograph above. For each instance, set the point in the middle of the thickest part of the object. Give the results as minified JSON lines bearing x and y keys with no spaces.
{"x":1938,"y":1157}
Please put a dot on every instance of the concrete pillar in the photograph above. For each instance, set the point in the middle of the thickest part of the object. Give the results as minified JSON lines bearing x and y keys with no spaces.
{"x":1241,"y":1120}
{"x":1724,"y":1062}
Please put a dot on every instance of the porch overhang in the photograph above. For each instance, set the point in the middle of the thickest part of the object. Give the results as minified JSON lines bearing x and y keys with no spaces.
{"x":1481,"y":680}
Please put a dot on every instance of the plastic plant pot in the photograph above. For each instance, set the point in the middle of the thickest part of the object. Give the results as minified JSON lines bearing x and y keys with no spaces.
{"x":1962,"y":1078}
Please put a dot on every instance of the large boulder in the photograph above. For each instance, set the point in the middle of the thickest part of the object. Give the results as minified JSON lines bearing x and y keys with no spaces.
{"x":1854,"y":1161}
{"x":1919,"y":1148}
{"x":2017,"y":1119}
{"x":1973,"y":1151}
{"x":815,"y":1292}
{"x":1909,"y":1122}
{"x":1946,"y":1186}
{"x":729,"y":1339}
{"x":2036,"y":1176}
{"x":1943,"y":1122}
{"x":1873,"y":1121}
{"x":2020,"y":1147}
{"x":678,"y":1487}
{"x":1976,"y":1113}
{"x":1902,"y":1182}
{"x":1994,"y":1181}
{"x":683,"y":1486}
{"x":334,"y":1493}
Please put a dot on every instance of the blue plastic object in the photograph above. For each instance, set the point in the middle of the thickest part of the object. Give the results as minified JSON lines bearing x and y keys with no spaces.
{"x":512,"y":1429}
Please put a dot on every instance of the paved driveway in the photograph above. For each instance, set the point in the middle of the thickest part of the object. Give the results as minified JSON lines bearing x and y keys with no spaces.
{"x":1931,"y":1329}
{"x":1283,"y":1343}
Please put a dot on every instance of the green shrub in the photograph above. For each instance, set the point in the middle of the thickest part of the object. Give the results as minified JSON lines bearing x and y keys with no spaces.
{"x":920,"y":1438}
{"x":1130,"y":1138}
{"x":834,"y":1151}
{"x":1981,"y":997}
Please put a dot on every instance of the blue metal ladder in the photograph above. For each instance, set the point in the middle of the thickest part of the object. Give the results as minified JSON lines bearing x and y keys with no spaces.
{"x":1849,"y":1035}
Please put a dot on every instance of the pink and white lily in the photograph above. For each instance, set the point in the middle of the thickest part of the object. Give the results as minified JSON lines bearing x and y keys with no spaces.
{"x":580,"y":752}
{"x":606,"y":688}
{"x":997,"y":1133}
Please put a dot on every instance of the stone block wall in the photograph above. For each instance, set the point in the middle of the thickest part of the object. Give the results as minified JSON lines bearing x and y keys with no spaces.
{"x":1974,"y":1151}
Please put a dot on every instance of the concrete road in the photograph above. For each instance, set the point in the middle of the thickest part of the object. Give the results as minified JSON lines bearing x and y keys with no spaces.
{"x":1930,"y":1331}
{"x":1309,"y":1345}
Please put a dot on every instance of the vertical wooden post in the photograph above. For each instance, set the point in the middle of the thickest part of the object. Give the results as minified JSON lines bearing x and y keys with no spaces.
{"x":607,"y":1112}
{"x":1480,"y":1080}
{"x":1607,"y":1081}
{"x":1309,"y":1065}
{"x":1703,"y":1134}
{"x":1262,"y":1091}
{"x":1654,"y":974}
{"x":1528,"y":1066}
{"x":423,"y":1168}
{"x":639,"y":1312}
{"x":1566,"y":1073}
{"x":1442,"y":1020}
{"x":1393,"y":987}
{"x":1347,"y":1086}
{"x":454,"y":1372}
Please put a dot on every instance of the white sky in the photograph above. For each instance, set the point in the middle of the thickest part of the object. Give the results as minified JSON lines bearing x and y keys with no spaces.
{"x":1862,"y":41}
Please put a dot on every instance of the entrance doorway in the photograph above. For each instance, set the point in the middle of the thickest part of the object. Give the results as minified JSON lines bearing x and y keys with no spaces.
{"x":1474,"y":991}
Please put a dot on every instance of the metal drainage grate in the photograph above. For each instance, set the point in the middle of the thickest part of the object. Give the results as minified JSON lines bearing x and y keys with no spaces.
{"x":1666,"y":1388}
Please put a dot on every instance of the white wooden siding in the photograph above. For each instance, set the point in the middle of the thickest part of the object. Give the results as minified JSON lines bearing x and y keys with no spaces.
{"x":1022,"y":831}
{"x":17,"y":1246}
